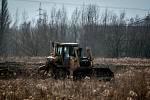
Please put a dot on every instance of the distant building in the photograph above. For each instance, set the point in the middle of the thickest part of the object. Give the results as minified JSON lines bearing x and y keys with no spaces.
{"x":142,"y":22}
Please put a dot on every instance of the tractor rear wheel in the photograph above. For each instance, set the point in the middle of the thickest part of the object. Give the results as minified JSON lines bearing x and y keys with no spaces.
{"x":60,"y":73}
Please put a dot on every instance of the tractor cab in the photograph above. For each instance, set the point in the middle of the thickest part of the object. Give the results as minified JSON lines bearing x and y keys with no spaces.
{"x":65,"y":52}
{"x":65,"y":49}
{"x":70,"y":55}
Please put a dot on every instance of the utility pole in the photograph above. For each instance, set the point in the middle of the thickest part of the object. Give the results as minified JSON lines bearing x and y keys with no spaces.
{"x":40,"y":13}
{"x":45,"y":17}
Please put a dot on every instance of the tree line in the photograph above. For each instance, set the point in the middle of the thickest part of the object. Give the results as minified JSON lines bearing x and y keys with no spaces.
{"x":106,"y":33}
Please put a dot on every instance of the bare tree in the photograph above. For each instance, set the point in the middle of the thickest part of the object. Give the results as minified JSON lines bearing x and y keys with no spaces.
{"x":75,"y":23}
{"x":4,"y":23}
{"x":89,"y":17}
{"x":15,"y":32}
{"x":106,"y":33}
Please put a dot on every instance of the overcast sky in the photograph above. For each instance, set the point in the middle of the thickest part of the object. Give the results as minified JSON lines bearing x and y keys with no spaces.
{"x":32,"y":13}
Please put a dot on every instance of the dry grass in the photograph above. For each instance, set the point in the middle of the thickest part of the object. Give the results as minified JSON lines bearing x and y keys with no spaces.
{"x":115,"y":61}
{"x":129,"y":84}
{"x":124,"y":61}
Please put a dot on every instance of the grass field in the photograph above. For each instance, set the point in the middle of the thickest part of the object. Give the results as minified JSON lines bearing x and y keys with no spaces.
{"x":131,"y":82}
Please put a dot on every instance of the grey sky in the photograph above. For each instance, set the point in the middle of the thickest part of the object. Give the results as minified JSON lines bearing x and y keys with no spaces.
{"x":31,"y":7}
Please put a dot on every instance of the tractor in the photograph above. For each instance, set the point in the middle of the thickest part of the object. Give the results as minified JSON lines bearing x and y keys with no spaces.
{"x":67,"y":60}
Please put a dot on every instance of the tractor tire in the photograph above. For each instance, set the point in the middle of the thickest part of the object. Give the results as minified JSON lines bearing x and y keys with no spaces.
{"x":60,"y":73}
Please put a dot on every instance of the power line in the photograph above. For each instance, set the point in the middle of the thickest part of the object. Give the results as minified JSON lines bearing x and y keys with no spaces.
{"x":34,"y":1}
{"x":73,"y":4}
